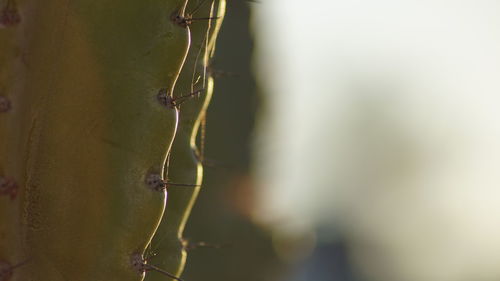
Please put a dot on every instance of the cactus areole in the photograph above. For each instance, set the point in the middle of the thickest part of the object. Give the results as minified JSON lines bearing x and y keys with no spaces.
{"x":98,"y":99}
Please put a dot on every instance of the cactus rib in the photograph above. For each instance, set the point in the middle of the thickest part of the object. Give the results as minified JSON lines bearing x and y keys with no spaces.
{"x":185,"y":165}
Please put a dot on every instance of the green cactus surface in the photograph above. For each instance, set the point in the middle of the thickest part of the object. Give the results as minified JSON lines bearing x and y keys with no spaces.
{"x":89,"y":109}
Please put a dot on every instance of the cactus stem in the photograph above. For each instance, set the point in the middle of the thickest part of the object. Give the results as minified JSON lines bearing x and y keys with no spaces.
{"x":5,"y":104}
{"x":10,"y":15}
{"x":200,"y":152}
{"x":140,"y":265}
{"x":8,"y":187}
{"x":6,"y":270}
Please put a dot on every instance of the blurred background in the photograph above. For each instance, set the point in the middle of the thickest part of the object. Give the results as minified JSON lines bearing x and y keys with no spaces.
{"x":353,"y":140}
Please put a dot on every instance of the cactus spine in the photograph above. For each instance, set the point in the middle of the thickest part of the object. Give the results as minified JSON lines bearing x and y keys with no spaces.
{"x":84,"y":134}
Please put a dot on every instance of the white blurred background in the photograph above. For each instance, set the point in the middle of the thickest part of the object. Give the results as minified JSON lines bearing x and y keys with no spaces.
{"x":381,"y":124}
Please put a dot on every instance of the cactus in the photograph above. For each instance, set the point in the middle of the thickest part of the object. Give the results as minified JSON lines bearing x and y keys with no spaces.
{"x":87,"y":118}
{"x":185,"y":165}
